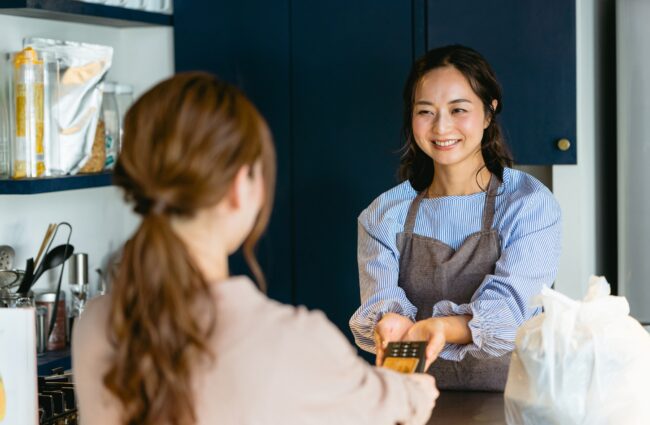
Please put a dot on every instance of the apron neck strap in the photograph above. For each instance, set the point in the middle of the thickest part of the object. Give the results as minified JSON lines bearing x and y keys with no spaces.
{"x":413,"y":212}
{"x":490,"y":201}
{"x":488,"y":209}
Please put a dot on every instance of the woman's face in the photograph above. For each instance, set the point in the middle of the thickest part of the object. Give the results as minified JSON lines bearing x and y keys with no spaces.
{"x":448,"y":119}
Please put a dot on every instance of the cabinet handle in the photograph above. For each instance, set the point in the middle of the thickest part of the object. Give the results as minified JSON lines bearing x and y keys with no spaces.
{"x":563,"y":144}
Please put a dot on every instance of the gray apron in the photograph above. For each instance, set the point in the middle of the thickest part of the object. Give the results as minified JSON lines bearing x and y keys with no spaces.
{"x":431,"y":271}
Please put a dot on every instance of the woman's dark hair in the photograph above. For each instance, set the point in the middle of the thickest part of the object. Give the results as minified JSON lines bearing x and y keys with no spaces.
{"x":184,"y":142}
{"x":415,"y":165}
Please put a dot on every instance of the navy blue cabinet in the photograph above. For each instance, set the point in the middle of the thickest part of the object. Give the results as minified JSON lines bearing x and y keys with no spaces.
{"x":349,"y":62}
{"x":247,"y":44}
{"x":532,"y":48}
{"x":328,"y":76}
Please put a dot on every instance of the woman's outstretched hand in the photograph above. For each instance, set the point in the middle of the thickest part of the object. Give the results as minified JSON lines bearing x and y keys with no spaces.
{"x":432,"y":331}
{"x":391,"y":327}
{"x":438,"y":331}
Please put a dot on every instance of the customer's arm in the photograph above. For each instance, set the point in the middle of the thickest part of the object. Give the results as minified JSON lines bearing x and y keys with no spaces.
{"x":327,"y":379}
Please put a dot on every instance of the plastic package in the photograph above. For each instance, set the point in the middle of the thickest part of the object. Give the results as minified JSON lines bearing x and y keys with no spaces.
{"x":82,"y":67}
{"x":580,"y":362}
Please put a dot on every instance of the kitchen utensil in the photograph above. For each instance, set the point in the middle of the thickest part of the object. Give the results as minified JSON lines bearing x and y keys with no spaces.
{"x":46,"y":240}
{"x":78,"y":283}
{"x":7,"y":255}
{"x":10,"y":278}
{"x":101,"y":284}
{"x":26,"y":283}
{"x":54,"y":258}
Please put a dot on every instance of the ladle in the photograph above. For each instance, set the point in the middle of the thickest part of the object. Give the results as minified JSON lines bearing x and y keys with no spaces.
{"x":54,"y":258}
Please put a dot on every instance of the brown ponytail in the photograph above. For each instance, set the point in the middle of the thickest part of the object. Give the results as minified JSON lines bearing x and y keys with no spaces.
{"x":184,"y":142}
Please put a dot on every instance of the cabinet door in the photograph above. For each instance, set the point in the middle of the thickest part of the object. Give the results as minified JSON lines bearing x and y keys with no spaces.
{"x":247,"y":43}
{"x":349,"y":63}
{"x":532,"y":47}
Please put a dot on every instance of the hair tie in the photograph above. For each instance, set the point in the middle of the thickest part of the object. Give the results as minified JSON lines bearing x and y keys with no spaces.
{"x":159,"y":207}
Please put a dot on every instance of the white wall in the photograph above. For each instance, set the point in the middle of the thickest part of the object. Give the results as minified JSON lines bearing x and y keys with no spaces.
{"x":633,"y":77}
{"x":575,"y":186}
{"x":100,"y":219}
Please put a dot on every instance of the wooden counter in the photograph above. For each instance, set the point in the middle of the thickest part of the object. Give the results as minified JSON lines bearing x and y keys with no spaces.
{"x":468,"y":408}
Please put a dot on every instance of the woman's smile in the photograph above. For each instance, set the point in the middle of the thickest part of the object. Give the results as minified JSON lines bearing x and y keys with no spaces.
{"x":445,"y":144}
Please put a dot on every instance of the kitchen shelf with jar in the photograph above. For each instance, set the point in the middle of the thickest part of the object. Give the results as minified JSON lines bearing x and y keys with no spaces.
{"x":55,"y":184}
{"x":86,"y":13}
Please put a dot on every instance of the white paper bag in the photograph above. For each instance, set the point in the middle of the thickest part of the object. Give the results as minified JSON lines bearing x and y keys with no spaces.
{"x":580,"y":362}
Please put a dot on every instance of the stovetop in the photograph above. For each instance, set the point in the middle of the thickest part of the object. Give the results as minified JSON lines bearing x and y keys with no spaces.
{"x":56,"y":399}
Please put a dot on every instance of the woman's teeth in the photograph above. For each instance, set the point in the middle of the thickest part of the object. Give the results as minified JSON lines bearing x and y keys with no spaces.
{"x":444,"y":143}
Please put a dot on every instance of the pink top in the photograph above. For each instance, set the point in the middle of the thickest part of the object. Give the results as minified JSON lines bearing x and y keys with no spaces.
{"x":275,"y":364}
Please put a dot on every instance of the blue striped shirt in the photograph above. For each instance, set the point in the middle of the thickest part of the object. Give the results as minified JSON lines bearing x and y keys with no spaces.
{"x":527,"y":218}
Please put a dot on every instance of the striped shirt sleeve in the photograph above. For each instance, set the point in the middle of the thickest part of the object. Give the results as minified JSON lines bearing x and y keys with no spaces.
{"x":378,"y":260}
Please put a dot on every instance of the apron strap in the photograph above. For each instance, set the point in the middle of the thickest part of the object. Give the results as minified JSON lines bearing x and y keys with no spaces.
{"x":490,"y":201}
{"x":409,"y":225}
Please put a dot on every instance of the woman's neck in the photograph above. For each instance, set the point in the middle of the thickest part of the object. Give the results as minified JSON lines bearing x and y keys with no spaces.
{"x":208,"y":253}
{"x":453,"y":181}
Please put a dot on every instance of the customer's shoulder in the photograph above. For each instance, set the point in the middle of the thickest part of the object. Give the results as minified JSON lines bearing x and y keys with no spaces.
{"x":95,"y":315}
{"x":304,"y":329}
{"x":90,"y":330}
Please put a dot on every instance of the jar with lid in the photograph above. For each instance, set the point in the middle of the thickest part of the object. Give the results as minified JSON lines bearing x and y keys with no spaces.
{"x":111,"y":119}
{"x":27,"y":107}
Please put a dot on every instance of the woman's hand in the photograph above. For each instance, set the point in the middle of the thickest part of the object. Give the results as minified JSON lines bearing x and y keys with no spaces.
{"x":430,"y":330}
{"x":391,"y":327}
{"x":439,"y":331}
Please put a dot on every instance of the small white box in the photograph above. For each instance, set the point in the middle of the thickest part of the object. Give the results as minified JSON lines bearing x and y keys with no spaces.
{"x":18,"y":381}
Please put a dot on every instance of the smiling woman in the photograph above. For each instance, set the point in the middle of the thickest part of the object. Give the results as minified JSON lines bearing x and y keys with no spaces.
{"x":454,"y":254}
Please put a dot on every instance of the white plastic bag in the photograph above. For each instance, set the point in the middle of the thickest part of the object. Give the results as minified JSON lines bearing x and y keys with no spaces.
{"x":581,"y":363}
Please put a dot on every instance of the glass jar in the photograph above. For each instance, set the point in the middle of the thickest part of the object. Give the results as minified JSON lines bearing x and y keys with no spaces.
{"x":124,"y":96}
{"x":13,"y":300}
{"x":27,"y":107}
{"x":111,"y":119}
{"x":5,"y":143}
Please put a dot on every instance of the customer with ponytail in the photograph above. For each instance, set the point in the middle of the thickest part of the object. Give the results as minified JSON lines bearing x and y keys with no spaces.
{"x":180,"y":341}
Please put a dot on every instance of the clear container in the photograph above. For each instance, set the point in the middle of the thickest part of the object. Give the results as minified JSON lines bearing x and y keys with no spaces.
{"x":5,"y":141}
{"x":111,"y":118}
{"x":53,"y":162}
{"x":124,"y":96}
{"x":27,"y":115}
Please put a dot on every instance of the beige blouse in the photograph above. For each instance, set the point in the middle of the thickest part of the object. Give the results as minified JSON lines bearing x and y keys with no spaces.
{"x":275,"y":364}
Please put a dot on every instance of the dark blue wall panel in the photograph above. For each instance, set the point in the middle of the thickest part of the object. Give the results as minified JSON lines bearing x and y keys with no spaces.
{"x":532,"y":48}
{"x":247,"y":43}
{"x":349,"y":63}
